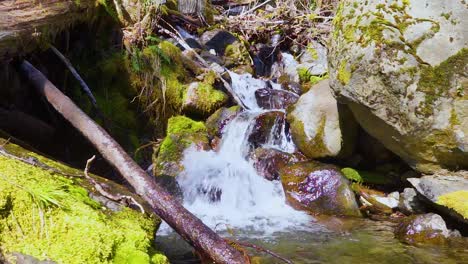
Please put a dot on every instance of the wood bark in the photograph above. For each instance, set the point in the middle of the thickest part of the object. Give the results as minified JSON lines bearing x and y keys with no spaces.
{"x":26,"y":23}
{"x":192,"y":229}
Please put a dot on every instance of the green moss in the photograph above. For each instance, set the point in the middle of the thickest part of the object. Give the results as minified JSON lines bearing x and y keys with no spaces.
{"x":236,"y":54}
{"x":312,"y":147}
{"x":182,"y":124}
{"x":307,"y":78}
{"x":49,"y":216}
{"x":458,"y":201}
{"x":344,"y":75}
{"x":435,"y":81}
{"x":352,"y":174}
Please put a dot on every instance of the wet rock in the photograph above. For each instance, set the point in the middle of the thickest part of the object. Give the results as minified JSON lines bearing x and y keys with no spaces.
{"x":268,"y":162}
{"x":275,"y":99}
{"x":409,"y":202}
{"x":182,"y":133}
{"x":169,"y":183}
{"x":292,"y":87}
{"x":202,"y":99}
{"x":268,"y":127}
{"x":217,"y":40}
{"x":391,"y":200}
{"x":371,"y":201}
{"x":424,"y":229}
{"x":318,"y":188}
{"x":264,"y":58}
{"x":286,"y":68}
{"x":448,"y":191}
{"x":26,"y":259}
{"x":412,"y":100}
{"x":216,"y":123}
{"x":315,"y":124}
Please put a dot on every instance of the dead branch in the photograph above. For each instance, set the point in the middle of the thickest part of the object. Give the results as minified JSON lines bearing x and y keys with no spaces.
{"x":103,"y":192}
{"x":76,"y":74}
{"x":200,"y":236}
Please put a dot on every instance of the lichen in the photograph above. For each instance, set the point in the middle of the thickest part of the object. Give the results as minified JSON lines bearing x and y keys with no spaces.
{"x":458,"y":201}
{"x":49,"y":216}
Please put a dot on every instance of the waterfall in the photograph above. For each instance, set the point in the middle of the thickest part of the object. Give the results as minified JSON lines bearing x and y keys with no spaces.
{"x":223,"y":188}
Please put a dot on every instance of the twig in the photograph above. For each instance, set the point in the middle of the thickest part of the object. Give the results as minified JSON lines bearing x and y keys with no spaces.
{"x":261,"y":249}
{"x":100,"y":189}
{"x":254,"y":8}
{"x":76,"y":74}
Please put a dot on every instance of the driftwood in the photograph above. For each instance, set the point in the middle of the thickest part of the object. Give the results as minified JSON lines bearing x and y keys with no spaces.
{"x":26,"y":23}
{"x":192,"y":229}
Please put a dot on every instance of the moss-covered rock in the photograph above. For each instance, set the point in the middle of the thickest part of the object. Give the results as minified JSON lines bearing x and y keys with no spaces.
{"x":365,"y":176}
{"x":318,"y":188}
{"x":202,"y":99}
{"x":447,"y":191}
{"x":401,"y":69}
{"x":268,"y":161}
{"x":49,"y":216}
{"x":216,"y":123}
{"x":182,"y":133}
{"x":315,"y":124}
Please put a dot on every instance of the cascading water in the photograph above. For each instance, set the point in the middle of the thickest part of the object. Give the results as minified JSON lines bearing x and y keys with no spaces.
{"x":223,"y":188}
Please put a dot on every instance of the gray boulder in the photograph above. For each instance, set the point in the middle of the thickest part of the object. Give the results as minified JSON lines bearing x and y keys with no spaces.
{"x":401,"y":66}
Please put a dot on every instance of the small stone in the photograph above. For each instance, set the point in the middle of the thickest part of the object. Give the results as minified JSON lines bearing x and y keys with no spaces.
{"x":409,"y":202}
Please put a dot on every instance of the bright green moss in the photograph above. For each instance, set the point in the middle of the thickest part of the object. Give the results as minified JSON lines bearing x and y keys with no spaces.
{"x":182,"y":124}
{"x":49,"y":216}
{"x":458,"y":201}
{"x":344,"y":75}
{"x":352,"y":174}
{"x":306,"y":77}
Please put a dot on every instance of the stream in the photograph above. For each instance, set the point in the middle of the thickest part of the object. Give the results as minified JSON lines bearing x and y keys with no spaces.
{"x":223,"y":189}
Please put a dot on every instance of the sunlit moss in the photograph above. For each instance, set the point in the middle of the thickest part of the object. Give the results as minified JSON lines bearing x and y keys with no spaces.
{"x":458,"y":201}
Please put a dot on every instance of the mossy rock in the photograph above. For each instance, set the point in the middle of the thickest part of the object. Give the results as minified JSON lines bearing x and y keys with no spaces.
{"x":202,"y":99}
{"x":216,"y":123}
{"x":182,"y":133}
{"x":50,"y":216}
{"x":400,"y":68}
{"x":457,"y":201}
{"x":365,"y":176}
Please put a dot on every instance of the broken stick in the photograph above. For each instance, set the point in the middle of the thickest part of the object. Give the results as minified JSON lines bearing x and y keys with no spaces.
{"x":192,"y":229}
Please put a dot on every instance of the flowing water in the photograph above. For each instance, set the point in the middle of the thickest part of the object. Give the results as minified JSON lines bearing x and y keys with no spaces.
{"x":223,"y":189}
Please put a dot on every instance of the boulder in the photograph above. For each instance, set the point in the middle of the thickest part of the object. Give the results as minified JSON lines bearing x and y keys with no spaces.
{"x":268,"y":162}
{"x":447,"y":191}
{"x":275,"y":99}
{"x":315,"y":124}
{"x":182,"y":133}
{"x":216,"y":123}
{"x":202,"y":99}
{"x":400,"y":66}
{"x":426,"y":229}
{"x":318,"y":188}
{"x":218,"y":40}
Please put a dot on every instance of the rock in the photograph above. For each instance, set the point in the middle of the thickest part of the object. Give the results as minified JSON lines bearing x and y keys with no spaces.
{"x":391,"y":200}
{"x":293,"y":87}
{"x":371,"y":201}
{"x":424,"y":229}
{"x":409,"y":202}
{"x":269,"y":127}
{"x":447,"y":191}
{"x":275,"y":99}
{"x":218,"y":40}
{"x":182,"y":133}
{"x":216,"y":123}
{"x":286,"y":67}
{"x":413,"y":100}
{"x":318,"y":188}
{"x":314,"y":59}
{"x":202,"y":99}
{"x":268,"y":162}
{"x":315,"y":125}
{"x":264,"y":58}
{"x":50,"y":216}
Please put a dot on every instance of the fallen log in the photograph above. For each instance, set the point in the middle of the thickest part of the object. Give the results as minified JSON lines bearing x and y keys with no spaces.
{"x":192,"y":229}
{"x":25,"y":24}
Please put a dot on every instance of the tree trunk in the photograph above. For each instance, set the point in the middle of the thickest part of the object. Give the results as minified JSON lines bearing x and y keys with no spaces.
{"x":24,"y":24}
{"x":201,"y":237}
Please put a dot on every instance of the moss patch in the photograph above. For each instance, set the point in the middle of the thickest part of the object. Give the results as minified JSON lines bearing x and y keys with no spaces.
{"x":458,"y":201}
{"x":49,"y":216}
{"x":365,"y":176}
{"x":344,"y":75}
